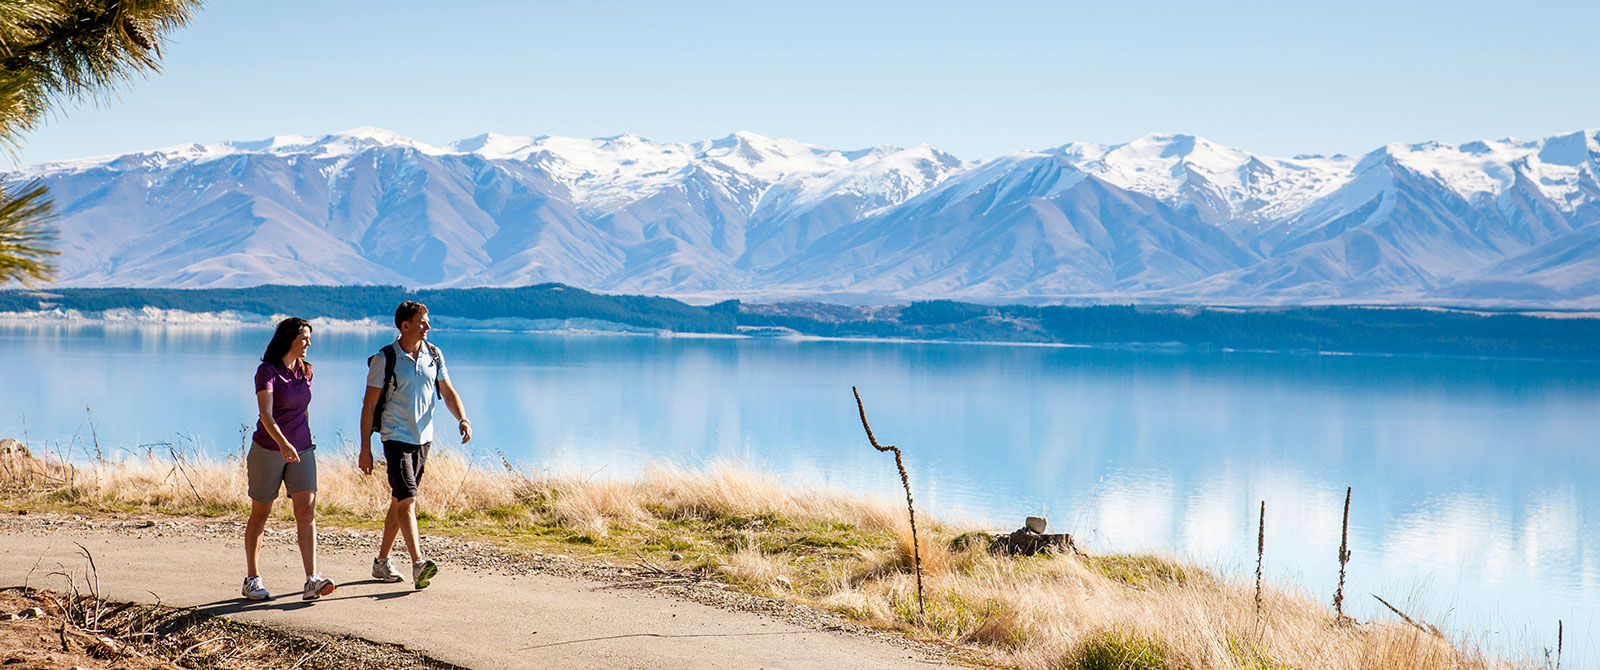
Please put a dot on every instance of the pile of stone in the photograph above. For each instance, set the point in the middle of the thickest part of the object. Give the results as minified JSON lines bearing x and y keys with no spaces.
{"x":1031,"y":539}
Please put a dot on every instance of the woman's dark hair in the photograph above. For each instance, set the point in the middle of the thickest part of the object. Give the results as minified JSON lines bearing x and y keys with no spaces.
{"x":283,"y":338}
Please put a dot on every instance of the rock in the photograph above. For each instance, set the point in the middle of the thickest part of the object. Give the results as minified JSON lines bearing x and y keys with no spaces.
{"x":1036,"y":524}
{"x":1027,"y":543}
{"x":10,"y":447}
{"x":146,"y":524}
{"x":105,"y":647}
{"x":30,"y":613}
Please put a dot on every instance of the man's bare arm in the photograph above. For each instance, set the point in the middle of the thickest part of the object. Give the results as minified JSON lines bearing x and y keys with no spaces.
{"x":369,"y":404}
{"x":452,"y":402}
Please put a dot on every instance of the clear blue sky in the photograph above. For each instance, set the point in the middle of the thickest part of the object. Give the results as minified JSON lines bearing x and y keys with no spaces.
{"x":976,"y":79}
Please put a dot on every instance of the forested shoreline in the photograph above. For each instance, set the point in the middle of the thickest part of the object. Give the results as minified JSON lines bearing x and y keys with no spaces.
{"x":1353,"y":329}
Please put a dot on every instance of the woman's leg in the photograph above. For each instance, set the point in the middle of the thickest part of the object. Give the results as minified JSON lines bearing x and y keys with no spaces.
{"x":305,"y":518}
{"x":259,"y":511}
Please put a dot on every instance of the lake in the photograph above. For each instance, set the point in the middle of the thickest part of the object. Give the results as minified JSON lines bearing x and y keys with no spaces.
{"x":1475,"y":498}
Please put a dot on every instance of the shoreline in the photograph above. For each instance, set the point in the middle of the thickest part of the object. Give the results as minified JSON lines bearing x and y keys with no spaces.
{"x":179,"y":319}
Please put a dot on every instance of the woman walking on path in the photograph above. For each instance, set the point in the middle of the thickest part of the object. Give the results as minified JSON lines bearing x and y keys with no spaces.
{"x":281,"y":455}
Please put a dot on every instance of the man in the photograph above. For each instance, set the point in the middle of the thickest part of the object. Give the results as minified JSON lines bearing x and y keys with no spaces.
{"x":405,"y":422}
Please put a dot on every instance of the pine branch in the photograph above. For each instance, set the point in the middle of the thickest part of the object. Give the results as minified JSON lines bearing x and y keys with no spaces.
{"x":80,"y":50}
{"x":26,"y":234}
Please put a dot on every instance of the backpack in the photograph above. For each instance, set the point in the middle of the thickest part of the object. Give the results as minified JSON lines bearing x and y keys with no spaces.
{"x":389,"y":355}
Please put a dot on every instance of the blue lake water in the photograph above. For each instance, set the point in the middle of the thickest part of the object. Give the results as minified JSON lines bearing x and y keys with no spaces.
{"x":1475,"y":504}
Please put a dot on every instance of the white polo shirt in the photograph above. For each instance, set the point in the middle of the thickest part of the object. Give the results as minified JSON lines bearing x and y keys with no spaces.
{"x":408,"y":412}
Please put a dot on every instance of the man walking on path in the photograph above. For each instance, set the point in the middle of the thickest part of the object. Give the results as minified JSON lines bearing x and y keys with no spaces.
{"x":403,"y":381}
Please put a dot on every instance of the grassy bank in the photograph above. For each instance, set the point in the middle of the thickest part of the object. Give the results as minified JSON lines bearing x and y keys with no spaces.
{"x":813,"y":546}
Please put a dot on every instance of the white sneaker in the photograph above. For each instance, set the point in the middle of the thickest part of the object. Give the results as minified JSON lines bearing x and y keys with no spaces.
{"x":383,"y":571}
{"x":254,"y":590}
{"x":316,"y":587}
{"x":422,"y":573}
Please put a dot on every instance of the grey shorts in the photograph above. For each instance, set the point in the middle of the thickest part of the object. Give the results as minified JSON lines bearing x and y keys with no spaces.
{"x":269,"y":473}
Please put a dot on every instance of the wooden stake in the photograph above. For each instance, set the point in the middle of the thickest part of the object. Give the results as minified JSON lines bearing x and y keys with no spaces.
{"x":1344,"y":557}
{"x":916,"y":551}
{"x":1261,"y":549}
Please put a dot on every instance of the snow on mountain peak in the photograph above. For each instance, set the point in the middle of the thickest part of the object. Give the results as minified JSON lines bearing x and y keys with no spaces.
{"x":356,"y":140}
{"x":494,"y":146}
{"x":604,"y":173}
{"x":1178,"y":167}
{"x":1559,"y":165}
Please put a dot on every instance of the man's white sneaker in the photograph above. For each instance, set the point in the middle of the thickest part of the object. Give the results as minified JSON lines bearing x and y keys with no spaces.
{"x":422,"y":573}
{"x":253,"y":589}
{"x":383,"y":571}
{"x":316,"y":587}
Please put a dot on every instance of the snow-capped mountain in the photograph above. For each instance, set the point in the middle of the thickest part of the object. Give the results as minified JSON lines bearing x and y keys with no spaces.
{"x":1161,"y":218}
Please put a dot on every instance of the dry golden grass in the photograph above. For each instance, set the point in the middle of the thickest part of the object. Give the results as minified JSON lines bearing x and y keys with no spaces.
{"x":819,"y":547}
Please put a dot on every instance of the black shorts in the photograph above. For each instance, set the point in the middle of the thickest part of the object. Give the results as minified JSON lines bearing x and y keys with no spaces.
{"x":405,"y":462}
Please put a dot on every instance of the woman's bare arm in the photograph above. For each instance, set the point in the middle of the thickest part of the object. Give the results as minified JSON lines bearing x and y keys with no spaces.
{"x":264,"y":404}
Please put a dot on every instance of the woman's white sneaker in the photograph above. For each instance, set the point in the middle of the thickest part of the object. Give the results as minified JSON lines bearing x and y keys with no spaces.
{"x":383,"y":571}
{"x":254,"y":590}
{"x":316,"y":587}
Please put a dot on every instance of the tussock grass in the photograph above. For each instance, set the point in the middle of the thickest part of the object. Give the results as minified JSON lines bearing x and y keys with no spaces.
{"x":824,"y":548}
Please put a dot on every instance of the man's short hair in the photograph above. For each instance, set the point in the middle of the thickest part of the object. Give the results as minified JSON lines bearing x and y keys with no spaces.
{"x":408,"y":310}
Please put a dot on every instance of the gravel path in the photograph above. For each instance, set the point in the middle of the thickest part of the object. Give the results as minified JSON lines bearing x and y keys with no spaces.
{"x":489,"y":607}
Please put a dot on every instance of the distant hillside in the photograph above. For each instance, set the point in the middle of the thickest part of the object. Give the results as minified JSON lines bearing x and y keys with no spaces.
{"x":1338,"y":329}
{"x":546,"y":301}
{"x":1160,"y":219}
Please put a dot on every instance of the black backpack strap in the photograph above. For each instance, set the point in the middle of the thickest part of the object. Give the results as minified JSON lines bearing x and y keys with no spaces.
{"x":388,"y":380}
{"x":388,"y":366}
{"x":438,"y":363}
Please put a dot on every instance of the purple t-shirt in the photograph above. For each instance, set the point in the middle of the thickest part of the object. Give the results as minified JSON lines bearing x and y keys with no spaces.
{"x":291,"y":395}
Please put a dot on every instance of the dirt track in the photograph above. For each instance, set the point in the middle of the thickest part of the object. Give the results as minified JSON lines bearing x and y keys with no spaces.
{"x":478,"y":617}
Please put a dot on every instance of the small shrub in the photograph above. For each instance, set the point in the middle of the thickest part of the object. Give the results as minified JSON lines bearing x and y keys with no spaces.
{"x":1119,"y":650}
{"x":956,"y":617}
{"x":974,"y":540}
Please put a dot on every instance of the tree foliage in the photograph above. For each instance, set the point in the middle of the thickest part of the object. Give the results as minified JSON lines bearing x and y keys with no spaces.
{"x":53,"y":52}
{"x":57,"y":51}
{"x":25,"y":234}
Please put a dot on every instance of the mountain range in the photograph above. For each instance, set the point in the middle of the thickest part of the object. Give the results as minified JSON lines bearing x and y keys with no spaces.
{"x":1164,"y":218}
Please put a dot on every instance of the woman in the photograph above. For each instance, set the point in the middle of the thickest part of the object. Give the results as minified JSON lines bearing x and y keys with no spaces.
{"x":281,"y":455}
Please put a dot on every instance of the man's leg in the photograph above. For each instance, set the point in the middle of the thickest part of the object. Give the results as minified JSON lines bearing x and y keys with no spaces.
{"x":397,"y":458}
{"x":391,"y":528}
{"x":407,"y":512}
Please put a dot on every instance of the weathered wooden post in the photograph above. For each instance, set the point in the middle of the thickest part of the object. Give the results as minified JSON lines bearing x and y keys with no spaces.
{"x":916,"y":551}
{"x":1261,"y":549}
{"x":1344,"y":557}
